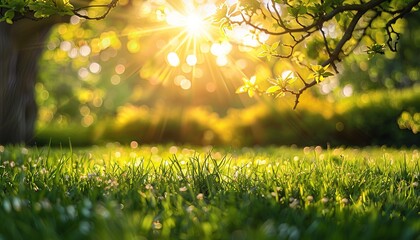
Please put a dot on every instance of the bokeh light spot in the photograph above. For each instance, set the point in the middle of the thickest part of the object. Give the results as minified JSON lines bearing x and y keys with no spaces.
{"x":185,"y":84}
{"x":173,"y":59}
{"x":191,"y":60}
{"x":95,"y":67}
{"x":120,"y":69}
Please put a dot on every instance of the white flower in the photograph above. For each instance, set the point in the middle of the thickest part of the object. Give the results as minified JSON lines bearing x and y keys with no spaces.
{"x":200,"y":196}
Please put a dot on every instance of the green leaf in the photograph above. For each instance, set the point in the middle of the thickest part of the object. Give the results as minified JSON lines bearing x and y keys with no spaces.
{"x":251,"y":93}
{"x":265,"y":47}
{"x":274,"y":46}
{"x":302,"y":10}
{"x":273,"y":89}
{"x":262,"y":54}
{"x":8,"y":16}
{"x":59,"y":3}
{"x":281,"y":94}
{"x":316,"y":68}
{"x":241,"y":89}
{"x":221,"y":13}
{"x":291,"y":80}
{"x":328,"y":74}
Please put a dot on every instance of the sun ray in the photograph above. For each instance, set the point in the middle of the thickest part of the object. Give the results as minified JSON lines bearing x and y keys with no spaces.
{"x":186,"y":51}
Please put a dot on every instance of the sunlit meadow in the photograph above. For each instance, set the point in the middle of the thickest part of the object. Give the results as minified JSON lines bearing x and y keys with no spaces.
{"x":173,"y":192}
{"x":136,"y":191}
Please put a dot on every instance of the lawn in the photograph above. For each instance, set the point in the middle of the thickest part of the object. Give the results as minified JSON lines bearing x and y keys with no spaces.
{"x":173,"y":192}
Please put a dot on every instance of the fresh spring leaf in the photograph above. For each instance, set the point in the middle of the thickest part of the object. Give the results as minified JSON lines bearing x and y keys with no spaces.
{"x":220,"y":14}
{"x":273,"y":89}
{"x":319,"y":73}
{"x":8,"y":16}
{"x":249,"y":86}
{"x":269,"y":50}
{"x":280,"y":84}
{"x":46,"y":9}
{"x":376,"y":49}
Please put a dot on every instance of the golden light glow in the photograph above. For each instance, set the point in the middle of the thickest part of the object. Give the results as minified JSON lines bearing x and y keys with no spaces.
{"x":173,"y":59}
{"x":191,"y":60}
{"x":193,"y":48}
{"x":193,"y":23}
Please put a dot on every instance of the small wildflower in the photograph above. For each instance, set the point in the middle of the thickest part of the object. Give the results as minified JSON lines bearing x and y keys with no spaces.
{"x":91,"y":175}
{"x":24,"y":151}
{"x":43,"y":171}
{"x":149,"y":187}
{"x":156,"y":225}
{"x":183,"y":189}
{"x":324,"y":200}
{"x":260,"y":162}
{"x":112,"y":183}
{"x":12,"y":164}
{"x":344,"y":201}
{"x":200,"y":196}
{"x":415,"y":184}
{"x":310,"y":198}
{"x":190,"y":209}
{"x":294,"y":203}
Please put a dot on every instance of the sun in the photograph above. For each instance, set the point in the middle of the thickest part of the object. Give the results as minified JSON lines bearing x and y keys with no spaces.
{"x":195,"y":24}
{"x":194,"y":53}
{"x":194,"y":21}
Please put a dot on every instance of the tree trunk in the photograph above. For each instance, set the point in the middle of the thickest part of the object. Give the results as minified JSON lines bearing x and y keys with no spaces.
{"x":21,"y":46}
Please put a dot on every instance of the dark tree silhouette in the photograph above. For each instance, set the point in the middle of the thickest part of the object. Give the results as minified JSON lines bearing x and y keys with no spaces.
{"x":24,"y":27}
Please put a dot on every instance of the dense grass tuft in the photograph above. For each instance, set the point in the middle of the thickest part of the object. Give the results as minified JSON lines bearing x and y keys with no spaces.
{"x":169,"y":192}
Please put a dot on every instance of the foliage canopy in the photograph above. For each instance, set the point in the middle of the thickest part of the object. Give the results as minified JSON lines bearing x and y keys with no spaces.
{"x":314,"y":36}
{"x":12,"y":10}
{"x":327,"y":31}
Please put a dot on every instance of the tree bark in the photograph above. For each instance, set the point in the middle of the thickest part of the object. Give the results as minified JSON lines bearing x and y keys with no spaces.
{"x":21,"y":46}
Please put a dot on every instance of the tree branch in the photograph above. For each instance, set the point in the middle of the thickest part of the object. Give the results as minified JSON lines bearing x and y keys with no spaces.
{"x":108,"y":7}
{"x":390,"y":29}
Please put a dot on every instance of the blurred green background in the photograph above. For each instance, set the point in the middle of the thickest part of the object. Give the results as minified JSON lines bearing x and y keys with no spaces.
{"x":127,"y":79}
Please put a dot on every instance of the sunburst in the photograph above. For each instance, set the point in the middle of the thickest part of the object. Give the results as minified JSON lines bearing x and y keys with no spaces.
{"x":195,"y":53}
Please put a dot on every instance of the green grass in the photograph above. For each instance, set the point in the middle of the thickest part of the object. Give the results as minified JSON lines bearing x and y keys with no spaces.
{"x":163,"y":192}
